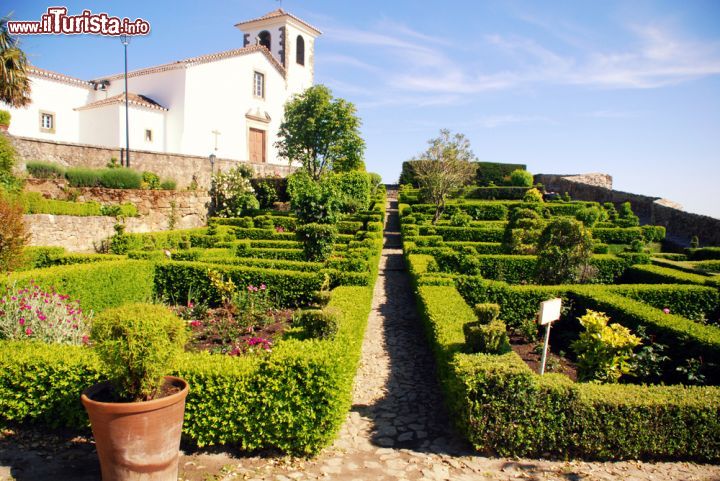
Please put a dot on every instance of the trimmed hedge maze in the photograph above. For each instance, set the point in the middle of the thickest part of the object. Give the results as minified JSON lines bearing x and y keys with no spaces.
{"x":293,"y":398}
{"x":503,"y":406}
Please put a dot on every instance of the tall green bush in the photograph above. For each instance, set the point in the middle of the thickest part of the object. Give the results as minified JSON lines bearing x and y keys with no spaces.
{"x":354,"y":190}
{"x":317,"y":240}
{"x":314,"y":201}
{"x":521,"y":178}
{"x":121,"y":178}
{"x":564,"y":252}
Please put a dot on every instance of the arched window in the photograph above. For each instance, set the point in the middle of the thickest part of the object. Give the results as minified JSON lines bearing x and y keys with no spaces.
{"x":300,"y":50}
{"x":264,"y":38}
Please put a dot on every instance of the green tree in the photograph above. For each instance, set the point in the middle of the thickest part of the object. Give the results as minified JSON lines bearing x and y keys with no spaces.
{"x":564,"y":252}
{"x":321,"y":132}
{"x":14,"y":81}
{"x":445,"y":166}
{"x":521,"y":178}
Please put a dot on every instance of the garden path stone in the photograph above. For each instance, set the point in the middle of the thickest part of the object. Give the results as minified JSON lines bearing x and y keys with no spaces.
{"x":397,"y":429}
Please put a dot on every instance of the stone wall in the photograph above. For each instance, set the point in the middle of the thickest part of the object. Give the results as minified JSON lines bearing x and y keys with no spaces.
{"x":180,"y":167}
{"x":157,"y":209}
{"x":680,"y":225}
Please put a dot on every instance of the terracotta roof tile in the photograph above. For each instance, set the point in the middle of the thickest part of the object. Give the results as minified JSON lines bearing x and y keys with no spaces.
{"x":189,"y":62}
{"x":277,"y":14}
{"x":49,"y":74}
{"x":133,"y":99}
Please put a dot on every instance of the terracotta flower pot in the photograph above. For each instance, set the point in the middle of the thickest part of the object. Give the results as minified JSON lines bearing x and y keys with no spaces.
{"x":141,"y":440}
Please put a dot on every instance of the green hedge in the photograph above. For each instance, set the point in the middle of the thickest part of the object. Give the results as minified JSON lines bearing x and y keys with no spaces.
{"x":178,"y":280}
{"x":265,"y":234}
{"x":496,"y":193}
{"x":35,"y":203}
{"x":618,"y":235}
{"x":649,"y":274}
{"x":703,"y":253}
{"x":97,"y":285}
{"x":495,"y":172}
{"x":464,"y":233}
{"x":693,"y":302}
{"x":503,"y":407}
{"x":294,"y":399}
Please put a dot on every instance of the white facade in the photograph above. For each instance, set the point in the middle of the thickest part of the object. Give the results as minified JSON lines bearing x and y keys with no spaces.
{"x":198,"y":106}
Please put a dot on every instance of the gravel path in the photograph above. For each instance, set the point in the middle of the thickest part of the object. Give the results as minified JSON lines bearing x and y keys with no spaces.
{"x":397,"y":429}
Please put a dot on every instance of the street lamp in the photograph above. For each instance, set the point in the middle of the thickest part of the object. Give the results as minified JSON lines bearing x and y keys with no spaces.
{"x":212,"y":164}
{"x":125,"y":41}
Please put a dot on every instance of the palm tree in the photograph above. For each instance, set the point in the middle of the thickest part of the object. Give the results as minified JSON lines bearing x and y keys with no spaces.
{"x":14,"y":81}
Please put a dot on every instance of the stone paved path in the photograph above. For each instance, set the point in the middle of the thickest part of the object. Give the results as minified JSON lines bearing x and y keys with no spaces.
{"x":397,"y":428}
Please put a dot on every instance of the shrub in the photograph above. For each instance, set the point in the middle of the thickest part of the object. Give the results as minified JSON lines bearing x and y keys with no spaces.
{"x":694,"y":242}
{"x":376,"y":184}
{"x":703,"y":253}
{"x":317,"y":240}
{"x":533,"y":195}
{"x":138,"y":344}
{"x":564,"y":251}
{"x":320,"y":324}
{"x":82,"y":177}
{"x":488,"y":338}
{"x":589,"y":216}
{"x":231,"y":192}
{"x":150,"y":180}
{"x":487,"y":312}
{"x":266,"y":194}
{"x":5,"y":117}
{"x":119,"y":210}
{"x":460,"y":219}
{"x":31,"y":313}
{"x":354,"y":188}
{"x":314,"y":201}
{"x":45,"y":170}
{"x":603,"y":351}
{"x":120,"y":178}
{"x":521,"y":178}
{"x":168,"y":184}
{"x":522,"y":232}
{"x":7,"y":155}
{"x":13,"y":234}
{"x":626,"y":217}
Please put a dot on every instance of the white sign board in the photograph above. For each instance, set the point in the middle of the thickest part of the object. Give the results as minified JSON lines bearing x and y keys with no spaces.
{"x":549,"y":311}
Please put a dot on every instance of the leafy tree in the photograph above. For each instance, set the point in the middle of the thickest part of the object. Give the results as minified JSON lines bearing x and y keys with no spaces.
{"x":321,"y":133}
{"x":14,"y":81}
{"x":564,"y":252}
{"x":443,"y":167}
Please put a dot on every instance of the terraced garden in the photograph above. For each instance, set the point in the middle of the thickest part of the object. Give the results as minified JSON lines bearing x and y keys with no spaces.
{"x":656,"y":399}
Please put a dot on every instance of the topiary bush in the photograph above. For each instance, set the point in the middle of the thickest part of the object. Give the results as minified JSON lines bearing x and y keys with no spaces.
{"x":317,"y":240}
{"x":564,"y":251}
{"x":168,"y":184}
{"x":460,"y":219}
{"x":354,"y":188}
{"x":533,"y":195}
{"x":487,"y":312}
{"x":488,"y":338}
{"x":318,"y":323}
{"x":137,"y":344}
{"x":521,"y":178}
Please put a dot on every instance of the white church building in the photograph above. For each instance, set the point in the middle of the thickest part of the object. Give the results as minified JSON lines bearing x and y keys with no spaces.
{"x":227,"y":103}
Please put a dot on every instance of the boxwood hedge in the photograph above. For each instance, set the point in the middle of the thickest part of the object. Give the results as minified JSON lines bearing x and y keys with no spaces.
{"x":502,"y":407}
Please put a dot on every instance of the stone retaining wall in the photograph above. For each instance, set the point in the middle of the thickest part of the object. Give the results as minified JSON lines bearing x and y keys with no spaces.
{"x":680,"y":225}
{"x":180,"y":167}
{"x":157,"y":209}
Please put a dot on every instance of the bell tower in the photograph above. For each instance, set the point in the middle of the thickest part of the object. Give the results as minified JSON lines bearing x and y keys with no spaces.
{"x":290,"y":40}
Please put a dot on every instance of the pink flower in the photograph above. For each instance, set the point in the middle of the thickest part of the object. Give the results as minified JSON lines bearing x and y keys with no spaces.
{"x":195,"y":323}
{"x":666,"y":310}
{"x":22,"y":321}
{"x":263,"y":287}
{"x":85,"y":340}
{"x":190,"y":305}
{"x":28,"y":331}
{"x":250,"y":288}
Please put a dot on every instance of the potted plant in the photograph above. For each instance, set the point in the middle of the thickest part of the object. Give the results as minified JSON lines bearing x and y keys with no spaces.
{"x":4,"y":120}
{"x":137,"y":415}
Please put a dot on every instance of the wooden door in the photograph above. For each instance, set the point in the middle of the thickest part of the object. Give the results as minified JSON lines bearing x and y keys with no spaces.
{"x":257,"y":146}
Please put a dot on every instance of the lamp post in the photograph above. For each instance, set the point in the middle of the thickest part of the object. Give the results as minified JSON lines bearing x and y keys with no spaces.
{"x":212,"y":164}
{"x":125,"y":41}
{"x":212,"y":158}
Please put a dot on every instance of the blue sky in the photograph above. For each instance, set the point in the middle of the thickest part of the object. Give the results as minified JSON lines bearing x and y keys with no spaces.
{"x":627,"y":88}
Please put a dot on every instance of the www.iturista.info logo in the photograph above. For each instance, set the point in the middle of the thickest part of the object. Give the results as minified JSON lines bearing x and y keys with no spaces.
{"x":57,"y":21}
